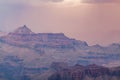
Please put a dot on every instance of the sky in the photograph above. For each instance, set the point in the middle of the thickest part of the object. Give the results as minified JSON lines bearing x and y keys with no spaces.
{"x":93,"y":21}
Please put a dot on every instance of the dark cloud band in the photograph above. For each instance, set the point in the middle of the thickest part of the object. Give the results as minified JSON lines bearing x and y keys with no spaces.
{"x":99,"y":1}
{"x":87,"y":1}
{"x":52,"y":0}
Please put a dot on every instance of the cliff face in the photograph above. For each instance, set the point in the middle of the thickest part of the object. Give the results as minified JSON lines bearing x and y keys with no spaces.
{"x":57,"y":47}
{"x":90,"y":72}
{"x":23,"y":36}
{"x":26,"y":54}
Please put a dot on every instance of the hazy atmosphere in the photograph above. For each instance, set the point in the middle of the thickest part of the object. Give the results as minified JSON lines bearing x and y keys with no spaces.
{"x":94,"y":21}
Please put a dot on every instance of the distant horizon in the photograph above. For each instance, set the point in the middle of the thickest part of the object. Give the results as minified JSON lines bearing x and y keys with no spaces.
{"x":64,"y":34}
{"x":94,"y":21}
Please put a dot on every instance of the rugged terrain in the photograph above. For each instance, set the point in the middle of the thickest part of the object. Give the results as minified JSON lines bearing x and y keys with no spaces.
{"x":90,"y":72}
{"x":26,"y":55}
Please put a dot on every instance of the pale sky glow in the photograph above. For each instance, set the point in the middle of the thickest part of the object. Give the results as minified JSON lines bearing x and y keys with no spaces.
{"x":71,"y":2}
{"x":84,"y":20}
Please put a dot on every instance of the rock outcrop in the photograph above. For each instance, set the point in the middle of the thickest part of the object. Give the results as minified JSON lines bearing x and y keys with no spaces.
{"x":23,"y":36}
{"x":90,"y":72}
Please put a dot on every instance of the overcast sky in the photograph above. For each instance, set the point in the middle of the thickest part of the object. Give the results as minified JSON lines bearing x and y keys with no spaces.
{"x":94,"y":21}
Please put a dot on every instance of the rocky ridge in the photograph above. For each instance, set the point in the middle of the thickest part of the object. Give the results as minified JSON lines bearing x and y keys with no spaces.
{"x":90,"y":72}
{"x":23,"y":36}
